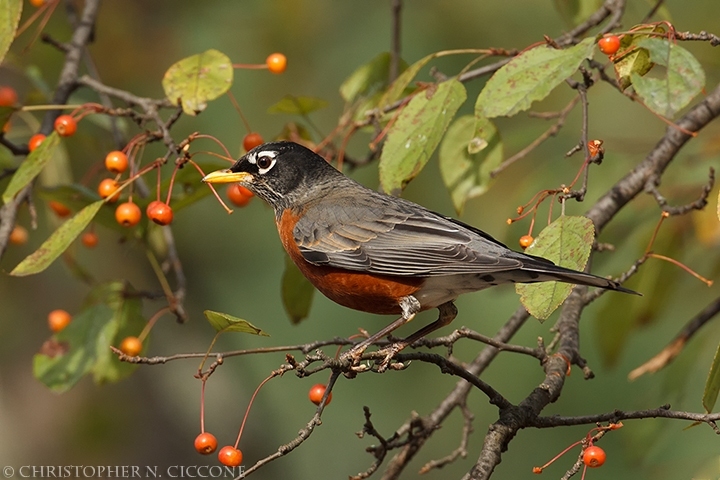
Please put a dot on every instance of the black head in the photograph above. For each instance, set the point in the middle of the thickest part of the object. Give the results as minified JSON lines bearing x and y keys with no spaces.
{"x":278,"y":172}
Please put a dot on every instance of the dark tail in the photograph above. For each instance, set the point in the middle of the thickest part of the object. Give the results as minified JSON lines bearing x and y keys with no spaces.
{"x":542,"y":270}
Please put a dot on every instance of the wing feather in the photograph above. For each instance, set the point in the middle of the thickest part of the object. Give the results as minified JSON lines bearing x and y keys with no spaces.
{"x":398,"y":239}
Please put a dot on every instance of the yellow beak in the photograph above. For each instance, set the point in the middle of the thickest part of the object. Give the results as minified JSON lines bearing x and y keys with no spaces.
{"x":226,"y":176}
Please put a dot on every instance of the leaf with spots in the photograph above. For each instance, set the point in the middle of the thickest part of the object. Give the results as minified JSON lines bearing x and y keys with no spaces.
{"x":57,"y":243}
{"x":10,"y":11}
{"x":471,"y":149}
{"x":31,"y":166}
{"x":631,"y":59}
{"x":197,"y":79}
{"x":684,"y":78}
{"x":530,"y":77}
{"x":417,"y":132}
{"x":567,"y":242}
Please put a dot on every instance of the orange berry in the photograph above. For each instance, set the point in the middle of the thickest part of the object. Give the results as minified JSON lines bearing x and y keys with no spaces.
{"x":35,"y":141}
{"x":526,"y":241}
{"x":316,"y":394}
{"x":58,"y":320}
{"x":239,"y":195}
{"x":19,"y":235}
{"x":128,"y":214}
{"x":205,"y":443}
{"x":230,"y":456}
{"x":131,"y":346}
{"x":8,"y":96}
{"x":252,"y":140}
{"x":116,"y":161}
{"x":594,"y":456}
{"x":65,"y":125}
{"x":89,"y":239}
{"x":37,"y":3}
{"x":160,"y":213}
{"x":276,"y":63}
{"x":60,"y":210}
{"x":107,"y":189}
{"x":609,"y":44}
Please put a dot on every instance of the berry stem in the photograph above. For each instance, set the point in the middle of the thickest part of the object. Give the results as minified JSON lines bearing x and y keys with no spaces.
{"x":30,"y":108}
{"x":157,"y":189}
{"x":227,"y":209}
{"x":172,"y":183}
{"x":552,"y":460}
{"x":151,"y":322}
{"x":681,"y":265}
{"x":239,"y":110}
{"x":222,"y":145}
{"x":252,"y":399}
{"x":250,"y":66}
{"x":202,"y":406}
{"x":161,"y":277}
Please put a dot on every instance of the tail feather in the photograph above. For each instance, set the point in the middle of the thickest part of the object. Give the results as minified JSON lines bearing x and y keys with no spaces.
{"x":543,"y":272}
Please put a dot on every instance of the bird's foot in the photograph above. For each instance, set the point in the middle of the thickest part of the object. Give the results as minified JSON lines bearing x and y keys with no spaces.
{"x":383,"y":359}
{"x":388,"y":354}
{"x":354,"y":357}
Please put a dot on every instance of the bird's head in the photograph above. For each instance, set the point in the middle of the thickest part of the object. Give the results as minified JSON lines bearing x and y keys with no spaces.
{"x":281,"y":173}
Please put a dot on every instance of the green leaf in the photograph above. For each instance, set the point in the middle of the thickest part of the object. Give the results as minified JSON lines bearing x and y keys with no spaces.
{"x":567,"y":242}
{"x":10,"y":11}
{"x":397,"y":88}
{"x":367,"y":79}
{"x":127,"y":320}
{"x":58,"y":242}
{"x":684,"y":80}
{"x":574,"y":12}
{"x":110,"y":314}
{"x":417,"y":133}
{"x":297,"y":105}
{"x":712,"y":385}
{"x":197,"y":79}
{"x":631,"y":58}
{"x":470,"y":150}
{"x":69,"y":355}
{"x":31,"y":166}
{"x":530,"y":77}
{"x":222,"y":322}
{"x":297,"y":292}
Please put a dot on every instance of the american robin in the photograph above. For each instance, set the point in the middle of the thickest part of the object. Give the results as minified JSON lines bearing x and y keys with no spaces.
{"x":378,"y":253}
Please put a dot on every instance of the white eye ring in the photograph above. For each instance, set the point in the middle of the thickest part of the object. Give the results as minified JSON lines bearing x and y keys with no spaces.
{"x":265,"y":163}
{"x":264,"y":160}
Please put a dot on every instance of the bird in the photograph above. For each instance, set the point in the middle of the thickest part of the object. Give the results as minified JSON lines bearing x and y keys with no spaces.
{"x":378,"y":253}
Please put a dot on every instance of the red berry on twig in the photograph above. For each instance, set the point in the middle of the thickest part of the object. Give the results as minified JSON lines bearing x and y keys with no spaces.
{"x":609,"y":44}
{"x":205,"y":443}
{"x":594,"y":456}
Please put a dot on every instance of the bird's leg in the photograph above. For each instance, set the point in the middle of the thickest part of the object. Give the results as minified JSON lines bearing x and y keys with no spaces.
{"x":447,"y":313}
{"x":410,"y":307}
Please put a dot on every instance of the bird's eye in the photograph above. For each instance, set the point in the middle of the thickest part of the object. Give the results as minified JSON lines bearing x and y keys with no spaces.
{"x":264,"y":162}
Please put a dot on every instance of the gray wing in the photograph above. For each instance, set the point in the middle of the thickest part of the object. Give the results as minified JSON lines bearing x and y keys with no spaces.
{"x":397,"y":238}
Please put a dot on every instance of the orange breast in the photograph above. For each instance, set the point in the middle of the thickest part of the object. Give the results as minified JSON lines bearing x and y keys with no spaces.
{"x":357,"y":290}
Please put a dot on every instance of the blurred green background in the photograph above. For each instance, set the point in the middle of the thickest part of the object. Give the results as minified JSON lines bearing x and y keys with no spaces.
{"x":234,"y":263}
